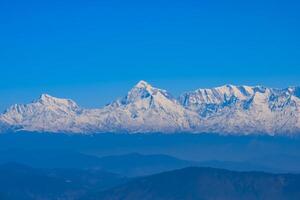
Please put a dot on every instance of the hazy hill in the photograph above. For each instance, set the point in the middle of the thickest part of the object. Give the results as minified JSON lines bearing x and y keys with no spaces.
{"x":207,"y":184}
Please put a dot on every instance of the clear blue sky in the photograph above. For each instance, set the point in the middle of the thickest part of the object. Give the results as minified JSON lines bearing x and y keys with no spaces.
{"x":93,"y":51}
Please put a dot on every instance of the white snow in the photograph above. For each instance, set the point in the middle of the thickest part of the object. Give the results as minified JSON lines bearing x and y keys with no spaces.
{"x":227,"y":109}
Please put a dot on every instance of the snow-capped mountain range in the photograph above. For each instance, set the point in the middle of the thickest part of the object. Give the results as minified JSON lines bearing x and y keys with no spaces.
{"x":226,"y":110}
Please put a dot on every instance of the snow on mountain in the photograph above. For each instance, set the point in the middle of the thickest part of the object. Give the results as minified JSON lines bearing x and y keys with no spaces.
{"x":227,"y":109}
{"x":244,"y":109}
{"x":207,"y":101}
{"x":145,"y":109}
{"x":45,"y":114}
{"x":294,"y":91}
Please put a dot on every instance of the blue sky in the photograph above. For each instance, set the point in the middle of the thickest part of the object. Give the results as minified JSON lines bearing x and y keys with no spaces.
{"x":93,"y":51}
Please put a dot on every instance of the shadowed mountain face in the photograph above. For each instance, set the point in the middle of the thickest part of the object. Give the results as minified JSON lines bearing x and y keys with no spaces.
{"x":20,"y":182}
{"x":206,"y":184}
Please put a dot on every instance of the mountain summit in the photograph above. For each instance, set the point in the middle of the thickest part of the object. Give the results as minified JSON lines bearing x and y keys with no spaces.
{"x":149,"y":109}
{"x":143,"y":84}
{"x":143,"y":90}
{"x":227,"y":109}
{"x":44,"y":114}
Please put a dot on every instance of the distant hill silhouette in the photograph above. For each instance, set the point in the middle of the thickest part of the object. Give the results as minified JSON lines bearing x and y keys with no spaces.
{"x":130,"y":165}
{"x":20,"y":182}
{"x":207,"y":184}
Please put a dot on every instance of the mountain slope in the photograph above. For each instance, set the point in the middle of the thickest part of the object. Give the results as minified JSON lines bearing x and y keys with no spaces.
{"x":128,"y":165}
{"x":135,"y":164}
{"x":147,"y":109}
{"x":244,"y":109}
{"x":20,"y":182}
{"x":45,"y":114}
{"x":228,"y":110}
{"x":206,"y":184}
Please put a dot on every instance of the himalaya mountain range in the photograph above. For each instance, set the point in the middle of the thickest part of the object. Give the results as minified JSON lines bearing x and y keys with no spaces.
{"x":229,"y":109}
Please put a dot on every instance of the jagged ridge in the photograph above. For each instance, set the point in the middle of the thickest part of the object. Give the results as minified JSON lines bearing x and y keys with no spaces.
{"x":228,"y":110}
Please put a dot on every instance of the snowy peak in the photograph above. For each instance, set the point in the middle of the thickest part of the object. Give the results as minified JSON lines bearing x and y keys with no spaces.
{"x":219,"y":95}
{"x":46,"y":99}
{"x":234,"y":109}
{"x":143,"y":84}
{"x":144,"y":87}
{"x":240,"y":92}
{"x":46,"y":113}
{"x":294,"y":91}
{"x":149,"y":109}
{"x":226,"y":94}
{"x":50,"y":103}
{"x":210,"y":102}
{"x":143,"y":91}
{"x":226,"y":109}
{"x":46,"y":96}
